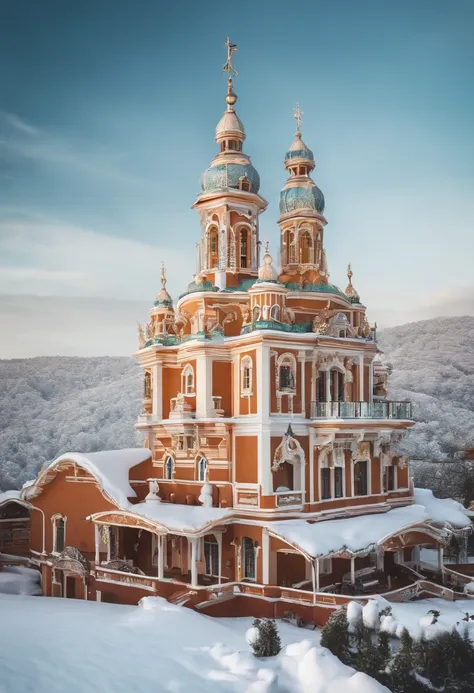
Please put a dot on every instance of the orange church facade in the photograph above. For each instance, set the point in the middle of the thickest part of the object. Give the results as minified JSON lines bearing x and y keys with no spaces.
{"x":269,"y":480}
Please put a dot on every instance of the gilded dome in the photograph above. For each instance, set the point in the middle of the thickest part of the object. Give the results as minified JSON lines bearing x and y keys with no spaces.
{"x":221,"y":176}
{"x":301,"y":198}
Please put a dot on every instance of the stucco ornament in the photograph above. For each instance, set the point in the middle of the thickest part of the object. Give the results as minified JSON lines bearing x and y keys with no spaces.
{"x":141,"y":336}
{"x":289,"y":450}
{"x":206,"y":495}
{"x":153,"y":491}
{"x":72,"y":561}
{"x":321,"y":322}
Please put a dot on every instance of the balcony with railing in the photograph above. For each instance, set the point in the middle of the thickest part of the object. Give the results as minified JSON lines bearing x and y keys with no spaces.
{"x":361,"y":410}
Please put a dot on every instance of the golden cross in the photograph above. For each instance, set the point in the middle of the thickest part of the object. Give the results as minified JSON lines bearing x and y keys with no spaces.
{"x":163,"y":274}
{"x":231,"y":48}
{"x":267,"y":243}
{"x":297,"y":113}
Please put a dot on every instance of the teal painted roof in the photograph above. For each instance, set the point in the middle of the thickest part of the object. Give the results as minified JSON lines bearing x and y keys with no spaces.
{"x":228,"y":175}
{"x":316,"y":288}
{"x":300,"y":198}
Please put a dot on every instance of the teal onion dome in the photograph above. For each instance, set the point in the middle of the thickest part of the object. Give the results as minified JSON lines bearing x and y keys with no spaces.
{"x":231,"y":175}
{"x":301,"y":198}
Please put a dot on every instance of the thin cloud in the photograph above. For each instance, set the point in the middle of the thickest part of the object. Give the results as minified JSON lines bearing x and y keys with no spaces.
{"x":18,"y":123}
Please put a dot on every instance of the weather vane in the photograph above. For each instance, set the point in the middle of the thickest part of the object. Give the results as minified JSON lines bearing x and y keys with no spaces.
{"x":231,"y":48}
{"x":297,"y":113}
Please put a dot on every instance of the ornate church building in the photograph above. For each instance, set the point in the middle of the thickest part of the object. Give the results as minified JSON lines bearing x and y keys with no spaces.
{"x":269,"y":481}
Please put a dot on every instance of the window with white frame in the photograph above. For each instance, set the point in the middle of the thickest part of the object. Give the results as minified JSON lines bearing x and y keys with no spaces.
{"x":246,"y":367}
{"x":275,"y":313}
{"x":169,"y":467}
{"x":211,"y":555}
{"x":325,"y":566}
{"x":187,"y":380}
{"x":248,"y":558}
{"x":202,"y":469}
{"x":59,"y":533}
{"x":286,"y":373}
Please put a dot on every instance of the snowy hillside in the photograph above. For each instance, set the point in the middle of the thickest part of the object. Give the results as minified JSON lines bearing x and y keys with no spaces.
{"x":433,"y":366}
{"x":53,"y":405}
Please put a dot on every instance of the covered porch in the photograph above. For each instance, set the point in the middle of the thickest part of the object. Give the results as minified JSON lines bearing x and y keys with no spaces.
{"x":355,"y":556}
{"x":131,"y":544}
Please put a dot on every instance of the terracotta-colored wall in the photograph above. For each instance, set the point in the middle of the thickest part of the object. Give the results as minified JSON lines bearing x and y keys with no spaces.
{"x":375,"y":475}
{"x":171,"y":378}
{"x":246,"y":459}
{"x":73,"y":500}
{"x":222,"y":384}
{"x":402,"y":476}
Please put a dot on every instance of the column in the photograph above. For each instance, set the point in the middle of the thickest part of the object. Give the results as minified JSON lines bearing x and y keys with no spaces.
{"x":219,"y":557}
{"x":97,"y":544}
{"x":157,"y":393}
{"x":161,"y":555}
{"x":194,"y":556}
{"x":371,"y":382}
{"x":328,"y":386}
{"x":204,"y":403}
{"x":352,"y":570}
{"x":440,"y":557}
{"x":302,"y":360}
{"x":263,"y":381}
{"x":265,"y":557}
{"x":361,"y":378}
{"x":317,"y":566}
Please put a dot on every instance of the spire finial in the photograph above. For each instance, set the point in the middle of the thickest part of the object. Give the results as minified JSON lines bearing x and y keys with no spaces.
{"x":267,"y":243}
{"x":228,"y":67}
{"x":163,"y":274}
{"x":350,"y":273}
{"x":297,"y":113}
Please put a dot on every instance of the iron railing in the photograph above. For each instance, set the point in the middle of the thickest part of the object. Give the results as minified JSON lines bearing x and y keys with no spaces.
{"x":361,"y":410}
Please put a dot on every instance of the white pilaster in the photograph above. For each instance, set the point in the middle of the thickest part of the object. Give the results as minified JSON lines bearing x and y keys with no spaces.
{"x":361,"y":378}
{"x":157,"y":401}
{"x":311,"y":465}
{"x":352,"y":570}
{"x":265,"y":557}
{"x":161,"y":555}
{"x":97,"y":544}
{"x":204,"y":403}
{"x":265,"y":478}
{"x":263,"y":382}
{"x":328,"y":386}
{"x":219,"y":556}
{"x":370,"y":397}
{"x":302,"y":359}
{"x":194,"y":557}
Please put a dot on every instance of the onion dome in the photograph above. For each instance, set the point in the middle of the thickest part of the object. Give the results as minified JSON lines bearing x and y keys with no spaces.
{"x":231,"y":168}
{"x":163,"y":298}
{"x":350,"y":291}
{"x":266,"y":272}
{"x":300,"y":193}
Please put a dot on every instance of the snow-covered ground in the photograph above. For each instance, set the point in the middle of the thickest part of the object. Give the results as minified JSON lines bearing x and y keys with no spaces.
{"x":50,"y":645}
{"x":19,"y":580}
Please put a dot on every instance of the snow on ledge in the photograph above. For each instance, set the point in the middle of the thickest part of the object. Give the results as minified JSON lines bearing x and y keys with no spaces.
{"x":443,"y":510}
{"x":178,"y":517}
{"x":7,"y":496}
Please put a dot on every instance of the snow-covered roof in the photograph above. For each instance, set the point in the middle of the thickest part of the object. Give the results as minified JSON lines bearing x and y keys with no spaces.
{"x":351,"y":535}
{"x":9,"y":496}
{"x":109,"y":467}
{"x":443,"y":510}
{"x":180,"y":518}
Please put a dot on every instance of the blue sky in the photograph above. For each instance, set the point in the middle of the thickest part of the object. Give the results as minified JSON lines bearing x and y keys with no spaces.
{"x":107,"y":116}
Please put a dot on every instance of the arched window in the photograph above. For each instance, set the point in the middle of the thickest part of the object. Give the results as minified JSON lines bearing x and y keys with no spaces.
{"x":59,"y":533}
{"x":202,"y":469}
{"x":275,"y":313}
{"x":306,"y":248}
{"x":244,"y":248}
{"x":248,"y":558}
{"x":245,"y":184}
{"x":246,"y":366}
{"x":337,"y":386}
{"x":291,"y":247}
{"x":187,"y":380}
{"x":169,"y":468}
{"x":256,"y":314}
{"x":286,"y":373}
{"x":213,"y":241}
{"x":360,"y":478}
{"x":321,"y":390}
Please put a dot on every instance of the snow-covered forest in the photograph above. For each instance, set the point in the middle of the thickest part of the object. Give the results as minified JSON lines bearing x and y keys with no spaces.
{"x":49,"y":406}
{"x":53,"y":405}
